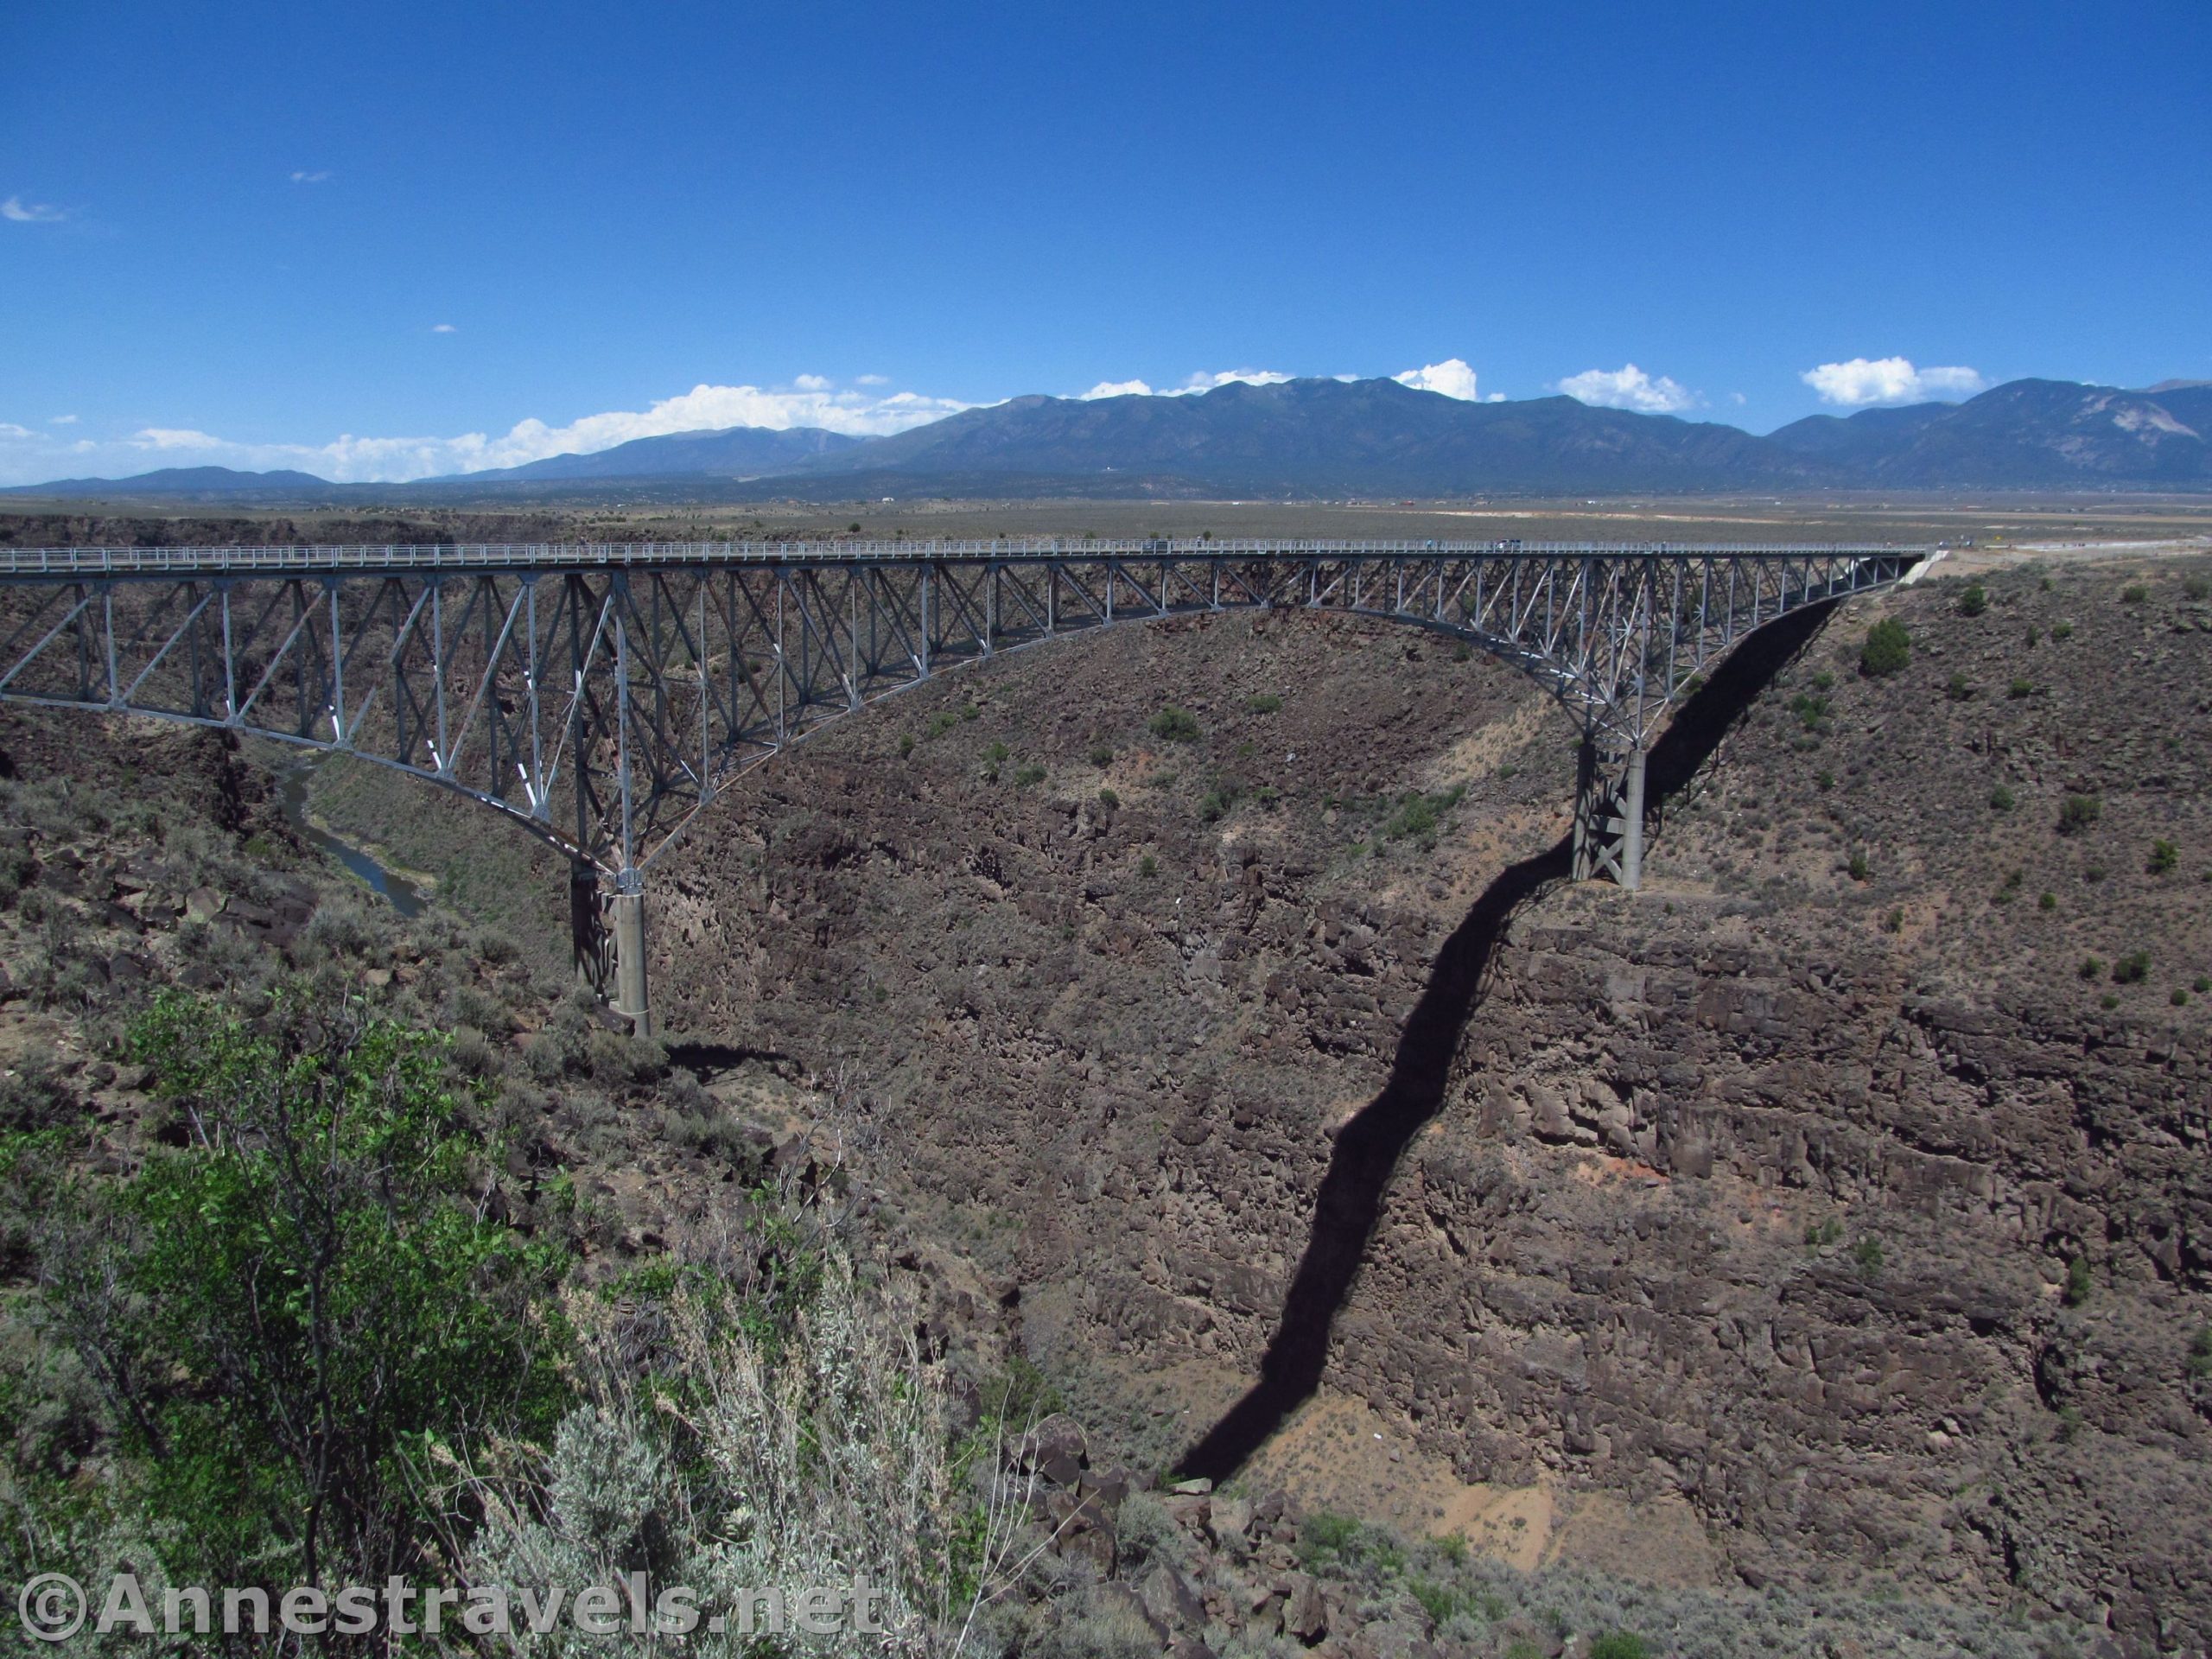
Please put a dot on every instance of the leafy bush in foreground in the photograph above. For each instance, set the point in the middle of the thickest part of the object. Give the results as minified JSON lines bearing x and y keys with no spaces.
{"x":284,"y":1313}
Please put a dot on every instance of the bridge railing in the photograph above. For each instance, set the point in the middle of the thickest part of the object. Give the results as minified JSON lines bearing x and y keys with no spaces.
{"x":51,"y":563}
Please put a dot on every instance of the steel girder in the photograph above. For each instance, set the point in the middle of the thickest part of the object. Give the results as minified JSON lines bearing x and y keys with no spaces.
{"x":599,"y":695}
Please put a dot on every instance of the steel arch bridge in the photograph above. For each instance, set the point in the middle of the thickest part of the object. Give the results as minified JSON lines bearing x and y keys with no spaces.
{"x":601,"y":695}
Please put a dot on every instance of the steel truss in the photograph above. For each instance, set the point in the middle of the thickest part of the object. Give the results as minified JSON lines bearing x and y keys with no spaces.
{"x":602,"y":694}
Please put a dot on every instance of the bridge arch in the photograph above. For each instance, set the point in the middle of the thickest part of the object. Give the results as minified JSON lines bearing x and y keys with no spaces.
{"x":600,"y":695}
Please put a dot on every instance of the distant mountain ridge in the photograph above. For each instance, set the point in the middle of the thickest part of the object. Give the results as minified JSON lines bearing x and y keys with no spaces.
{"x":193,"y":483}
{"x":1308,"y":438}
{"x":2024,"y":435}
{"x":723,"y":452}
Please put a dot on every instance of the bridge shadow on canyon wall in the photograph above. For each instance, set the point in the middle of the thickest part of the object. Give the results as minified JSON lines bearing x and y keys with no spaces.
{"x":1367,"y":1149}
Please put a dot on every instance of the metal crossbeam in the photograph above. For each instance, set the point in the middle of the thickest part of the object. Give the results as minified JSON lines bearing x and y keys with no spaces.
{"x":601,"y":695}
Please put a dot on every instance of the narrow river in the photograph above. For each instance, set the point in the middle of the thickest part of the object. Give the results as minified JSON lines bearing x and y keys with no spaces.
{"x":406,"y":898}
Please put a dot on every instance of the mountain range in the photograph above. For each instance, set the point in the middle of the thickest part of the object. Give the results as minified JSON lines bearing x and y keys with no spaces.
{"x":1308,"y":438}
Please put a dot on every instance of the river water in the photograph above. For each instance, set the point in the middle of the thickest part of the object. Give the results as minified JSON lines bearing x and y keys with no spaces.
{"x":292,"y":796}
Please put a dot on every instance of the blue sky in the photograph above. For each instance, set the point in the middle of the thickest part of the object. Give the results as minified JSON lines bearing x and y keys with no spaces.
{"x":388,"y":240}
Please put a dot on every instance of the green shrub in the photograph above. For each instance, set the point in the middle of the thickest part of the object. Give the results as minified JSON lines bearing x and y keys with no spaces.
{"x":2048,"y":901}
{"x":2178,"y":998}
{"x":1265,"y":703}
{"x":1174,"y":725}
{"x":2077,"y":812}
{"x":2020,"y":687}
{"x":2069,"y":1422}
{"x":1415,"y":818}
{"x":1825,"y":779}
{"x":1107,"y":798}
{"x":1859,"y":867}
{"x":2196,"y":588}
{"x":2000,"y":800}
{"x":1148,"y":865}
{"x":2108,"y":1000}
{"x":1029,"y":774}
{"x":1101,"y":754}
{"x":2131,"y":968}
{"x":970,"y":711}
{"x":1440,"y":1602}
{"x":1867,"y":1253}
{"x":2200,"y":1352}
{"x":2134,"y":593}
{"x":1620,"y":1644}
{"x":1326,"y":1534}
{"x":2035,"y":636}
{"x":1894,"y":922}
{"x":2078,"y":1281}
{"x":1974,"y":601}
{"x":906,"y":744}
{"x":1887,"y":650}
{"x":318,"y":1298}
{"x":2165,"y":855}
{"x":2091,"y":967}
{"x":1419,"y":816}
{"x":2061,"y":630}
{"x":1957,"y":689}
{"x":2202,"y":985}
{"x":943,"y":721}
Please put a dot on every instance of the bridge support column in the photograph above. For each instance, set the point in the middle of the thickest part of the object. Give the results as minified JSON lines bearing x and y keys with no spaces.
{"x":626,"y":911}
{"x":1609,"y":814}
{"x":1631,"y":875}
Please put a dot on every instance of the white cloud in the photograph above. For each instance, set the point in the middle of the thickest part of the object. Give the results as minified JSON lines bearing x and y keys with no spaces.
{"x":319,"y":177}
{"x":31,"y":213}
{"x":9,"y":430}
{"x":63,"y":420}
{"x":1197,"y":383}
{"x":172,"y":437}
{"x":1630,"y":387}
{"x":1229,"y":377}
{"x":351,"y":458}
{"x":1451,"y":377}
{"x":443,"y":328}
{"x":812,"y":381}
{"x":873,"y":381}
{"x":1888,"y":380}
